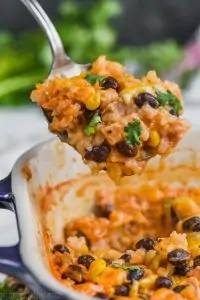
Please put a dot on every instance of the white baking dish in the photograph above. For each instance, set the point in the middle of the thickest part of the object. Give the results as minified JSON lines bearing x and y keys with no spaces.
{"x":54,"y":163}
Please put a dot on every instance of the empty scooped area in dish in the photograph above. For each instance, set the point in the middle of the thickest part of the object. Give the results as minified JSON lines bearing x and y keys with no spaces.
{"x":152,"y":228}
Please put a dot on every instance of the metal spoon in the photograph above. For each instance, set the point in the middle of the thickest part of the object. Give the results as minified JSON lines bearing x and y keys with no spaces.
{"x":62,"y":64}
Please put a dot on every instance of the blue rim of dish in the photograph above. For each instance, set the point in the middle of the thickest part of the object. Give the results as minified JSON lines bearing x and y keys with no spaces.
{"x":11,"y":261}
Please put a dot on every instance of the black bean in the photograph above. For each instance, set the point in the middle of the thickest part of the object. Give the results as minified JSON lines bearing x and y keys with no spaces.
{"x":60,"y":248}
{"x":58,"y":261}
{"x":126,"y":257}
{"x":146,"y":98}
{"x":197,"y":261}
{"x":103,"y":211}
{"x":122,"y":290}
{"x":89,"y":114}
{"x":85,"y":260}
{"x":163,"y":282}
{"x":126,"y":149}
{"x":140,"y":100}
{"x":63,"y":136}
{"x":152,"y":101}
{"x":135,"y":274}
{"x":81,"y":234}
{"x":182,"y":270}
{"x":173,"y":112}
{"x":196,"y":227}
{"x":110,"y":83}
{"x":64,"y":275}
{"x":146,"y":243}
{"x":179,"y":288}
{"x":101,"y":295}
{"x":108,"y":261}
{"x":178,"y":257}
{"x":174,"y":218}
{"x":98,"y":153}
{"x":189,"y":223}
{"x":48,"y":114}
{"x":73,"y":272}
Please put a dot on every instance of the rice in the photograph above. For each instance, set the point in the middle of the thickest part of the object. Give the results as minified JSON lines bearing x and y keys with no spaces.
{"x":113,"y":119}
{"x":137,"y":243}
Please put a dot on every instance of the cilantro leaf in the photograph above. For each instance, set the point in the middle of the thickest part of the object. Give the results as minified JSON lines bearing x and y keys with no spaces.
{"x":91,"y":127}
{"x":131,"y":268}
{"x":169,"y":99}
{"x":133,"y":131}
{"x":93,"y":78}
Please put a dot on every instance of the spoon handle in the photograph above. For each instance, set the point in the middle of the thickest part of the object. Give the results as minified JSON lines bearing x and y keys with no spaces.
{"x":50,"y":31}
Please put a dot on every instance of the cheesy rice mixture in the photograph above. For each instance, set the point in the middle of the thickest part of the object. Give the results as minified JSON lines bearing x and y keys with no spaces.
{"x":114,"y":120}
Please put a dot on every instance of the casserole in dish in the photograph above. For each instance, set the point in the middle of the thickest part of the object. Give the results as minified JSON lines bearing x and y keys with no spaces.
{"x":49,"y":164}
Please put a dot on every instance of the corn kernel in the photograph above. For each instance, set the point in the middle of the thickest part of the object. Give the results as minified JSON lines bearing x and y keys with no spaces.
{"x":185,"y":207}
{"x":154,"y":139}
{"x":193,"y":240}
{"x":83,"y":74}
{"x":96,"y":268}
{"x":147,"y":283}
{"x":134,"y":290}
{"x":127,"y":97}
{"x":92,"y":102}
{"x":115,"y":172}
{"x":76,"y":77}
{"x":145,"y":89}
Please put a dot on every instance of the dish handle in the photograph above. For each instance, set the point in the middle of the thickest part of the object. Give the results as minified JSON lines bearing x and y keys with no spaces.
{"x":10,"y":258}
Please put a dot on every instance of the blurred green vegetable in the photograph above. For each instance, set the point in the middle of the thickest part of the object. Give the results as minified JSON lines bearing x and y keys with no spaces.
{"x":8,"y":293}
{"x":86,"y":32}
{"x":159,"y":56}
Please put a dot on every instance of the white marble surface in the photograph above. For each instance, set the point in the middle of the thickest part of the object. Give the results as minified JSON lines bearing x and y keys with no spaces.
{"x":20,"y":129}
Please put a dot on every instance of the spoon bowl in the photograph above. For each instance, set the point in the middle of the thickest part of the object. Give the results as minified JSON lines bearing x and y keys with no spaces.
{"x":62,"y":64}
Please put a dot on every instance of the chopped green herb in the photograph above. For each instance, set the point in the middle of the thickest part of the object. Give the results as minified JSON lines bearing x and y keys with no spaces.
{"x":133,"y":132}
{"x":93,"y":78}
{"x":91,"y":127}
{"x":169,"y":99}
{"x":130,"y":268}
